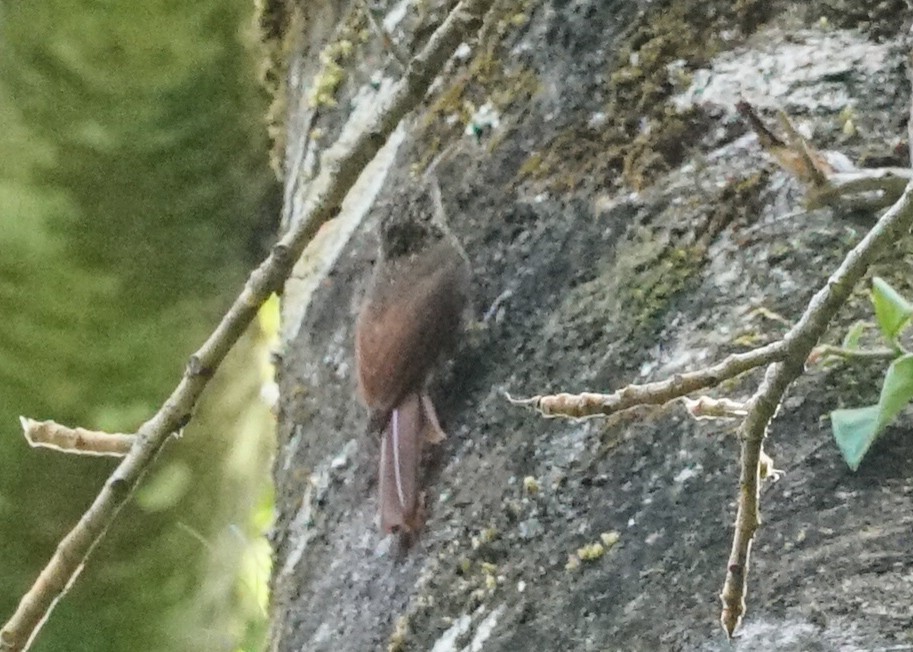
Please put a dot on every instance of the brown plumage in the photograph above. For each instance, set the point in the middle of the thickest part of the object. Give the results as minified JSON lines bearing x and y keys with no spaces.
{"x":409,"y":320}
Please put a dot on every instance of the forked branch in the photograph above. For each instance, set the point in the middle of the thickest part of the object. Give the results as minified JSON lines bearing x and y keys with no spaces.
{"x":785,"y":358}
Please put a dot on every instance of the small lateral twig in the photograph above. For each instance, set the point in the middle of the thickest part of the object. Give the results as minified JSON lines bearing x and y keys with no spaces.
{"x":587,"y":405}
{"x":79,"y":441}
{"x":825,"y":350}
{"x":707,"y":407}
{"x":786,"y":358}
{"x":813,"y":163}
{"x":856,"y":189}
{"x":794,"y":154}
{"x":341,"y":167}
{"x":799,"y":342}
{"x":873,"y":188}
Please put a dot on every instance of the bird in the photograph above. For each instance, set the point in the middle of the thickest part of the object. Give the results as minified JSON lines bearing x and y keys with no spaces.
{"x":410,"y":318}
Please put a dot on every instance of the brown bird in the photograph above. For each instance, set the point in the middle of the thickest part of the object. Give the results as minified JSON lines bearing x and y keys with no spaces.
{"x":410,"y":319}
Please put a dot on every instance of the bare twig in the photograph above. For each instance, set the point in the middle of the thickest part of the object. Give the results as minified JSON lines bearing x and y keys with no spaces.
{"x":813,"y":163}
{"x":586,"y":405}
{"x":788,"y":361}
{"x":707,"y":407}
{"x":786,"y":358}
{"x":826,"y":185}
{"x":873,"y":188}
{"x":341,"y":167}
{"x":880,"y":353}
{"x":799,"y":343}
{"x":794,"y":154}
{"x":48,"y":434}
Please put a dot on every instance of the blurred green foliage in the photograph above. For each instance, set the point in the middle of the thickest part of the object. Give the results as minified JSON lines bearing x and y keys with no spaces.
{"x":133,"y":181}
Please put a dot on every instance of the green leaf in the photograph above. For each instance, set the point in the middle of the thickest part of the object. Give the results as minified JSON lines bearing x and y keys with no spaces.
{"x":851,"y":340}
{"x":897,"y":389}
{"x":892,"y":311}
{"x":854,"y":431}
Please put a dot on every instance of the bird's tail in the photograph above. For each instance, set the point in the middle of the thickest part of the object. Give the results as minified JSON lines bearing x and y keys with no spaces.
{"x":412,"y":423}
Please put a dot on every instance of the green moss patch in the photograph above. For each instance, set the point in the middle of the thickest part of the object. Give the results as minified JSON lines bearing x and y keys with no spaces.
{"x":486,"y":78}
{"x":643,"y":136}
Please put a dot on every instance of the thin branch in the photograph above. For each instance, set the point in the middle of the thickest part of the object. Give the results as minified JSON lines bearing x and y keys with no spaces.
{"x":342,"y":165}
{"x":587,"y":405}
{"x":826,"y":185}
{"x":825,"y":350}
{"x":877,"y":187}
{"x":813,"y":162}
{"x":48,"y":434}
{"x":786,"y":358}
{"x":707,"y":407}
{"x":799,"y":342}
{"x":794,"y":154}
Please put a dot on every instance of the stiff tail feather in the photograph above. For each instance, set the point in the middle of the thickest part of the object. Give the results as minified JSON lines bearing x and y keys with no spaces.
{"x":400,"y":455}
{"x":412,"y":423}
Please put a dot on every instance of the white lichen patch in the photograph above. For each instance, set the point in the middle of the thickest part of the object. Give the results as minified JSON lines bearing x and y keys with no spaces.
{"x":315,"y":492}
{"x":486,"y":118}
{"x":323,"y":251}
{"x":449,"y":640}
{"x":484,"y":630}
{"x":805,"y":70}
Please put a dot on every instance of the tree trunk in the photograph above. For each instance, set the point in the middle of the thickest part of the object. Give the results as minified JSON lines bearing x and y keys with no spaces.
{"x":623,"y":225}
